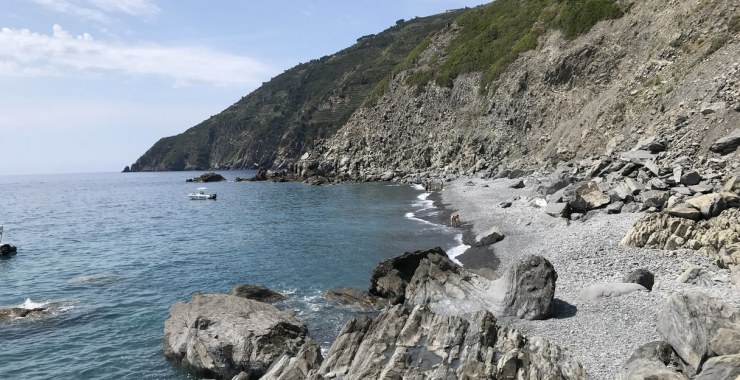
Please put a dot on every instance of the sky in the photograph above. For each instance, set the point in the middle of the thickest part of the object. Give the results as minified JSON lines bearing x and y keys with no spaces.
{"x":90,"y":85}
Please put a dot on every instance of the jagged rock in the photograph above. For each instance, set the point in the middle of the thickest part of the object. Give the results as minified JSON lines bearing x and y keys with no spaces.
{"x":558,"y":210}
{"x":725,"y":367}
{"x":418,"y":344}
{"x":622,"y":191}
{"x":634,"y":186}
{"x":7,"y":250}
{"x":220,"y":335}
{"x":710,"y":205}
{"x":525,"y":290}
{"x":732,"y":199}
{"x":390,"y":277}
{"x":257,"y":293}
{"x":690,"y":178}
{"x":494,"y":235}
{"x":685,"y":211}
{"x":657,"y":184}
{"x":732,"y":185}
{"x":654,"y":198}
{"x":355,"y":298}
{"x":208,"y":177}
{"x":689,"y":322}
{"x":298,"y":366}
{"x":727,"y":144}
{"x":592,"y":194}
{"x":651,"y":361}
{"x":608,"y":290}
{"x":640,"y":276}
{"x":19,"y":312}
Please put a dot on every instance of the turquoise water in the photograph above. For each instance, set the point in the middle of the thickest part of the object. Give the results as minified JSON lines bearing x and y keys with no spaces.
{"x":109,"y":253}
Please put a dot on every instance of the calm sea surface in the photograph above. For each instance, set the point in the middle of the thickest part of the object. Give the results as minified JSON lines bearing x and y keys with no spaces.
{"x":109,"y":253}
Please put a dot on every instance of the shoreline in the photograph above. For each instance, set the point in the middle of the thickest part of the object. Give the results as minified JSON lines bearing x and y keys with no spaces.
{"x":601,"y":334}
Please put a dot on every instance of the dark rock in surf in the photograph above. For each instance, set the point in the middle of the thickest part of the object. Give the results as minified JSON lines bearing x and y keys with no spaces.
{"x":390,"y":277}
{"x":257,"y":293}
{"x":20,"y":312}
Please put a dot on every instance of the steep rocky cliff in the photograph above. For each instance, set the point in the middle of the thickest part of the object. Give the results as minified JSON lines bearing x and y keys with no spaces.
{"x":660,"y":69}
{"x":666,"y":70}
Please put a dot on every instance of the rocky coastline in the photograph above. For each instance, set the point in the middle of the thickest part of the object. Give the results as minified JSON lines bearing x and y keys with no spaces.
{"x":540,"y":295}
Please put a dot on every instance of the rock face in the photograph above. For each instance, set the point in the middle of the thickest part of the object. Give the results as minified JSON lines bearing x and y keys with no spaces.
{"x":698,"y":327}
{"x":218,"y":335}
{"x":651,"y":361}
{"x":390,"y":277}
{"x":419,"y":344}
{"x":354,"y":298}
{"x":525,"y":290}
{"x":719,"y":236}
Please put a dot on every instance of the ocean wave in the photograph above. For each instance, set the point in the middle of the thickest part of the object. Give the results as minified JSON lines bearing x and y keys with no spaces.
{"x":457,"y":250}
{"x":418,"y":186}
{"x":412,"y":216}
{"x":30,"y":304}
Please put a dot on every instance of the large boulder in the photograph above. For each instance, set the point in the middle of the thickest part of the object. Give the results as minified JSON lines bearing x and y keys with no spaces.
{"x":298,"y":366}
{"x":220,"y":335}
{"x":525,"y":290}
{"x":592,"y":195}
{"x":640,"y":276}
{"x":652,"y":361}
{"x":698,"y":326}
{"x":390,"y":277}
{"x":710,"y":205}
{"x":725,"y":367}
{"x":494,"y":235}
{"x":419,"y":344}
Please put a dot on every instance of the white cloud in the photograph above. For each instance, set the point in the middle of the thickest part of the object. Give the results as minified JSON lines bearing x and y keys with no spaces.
{"x":138,"y":8}
{"x":74,"y":9}
{"x":26,"y":53}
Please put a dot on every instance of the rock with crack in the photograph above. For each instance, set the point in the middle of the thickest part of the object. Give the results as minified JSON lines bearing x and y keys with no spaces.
{"x":525,"y":290}
{"x":390,"y":277}
{"x":653,"y":360}
{"x":419,"y":344}
{"x":698,"y":327}
{"x":220,"y":335}
{"x":298,"y":366}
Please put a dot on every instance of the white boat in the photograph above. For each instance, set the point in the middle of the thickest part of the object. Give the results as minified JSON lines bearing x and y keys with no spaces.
{"x":201,"y":194}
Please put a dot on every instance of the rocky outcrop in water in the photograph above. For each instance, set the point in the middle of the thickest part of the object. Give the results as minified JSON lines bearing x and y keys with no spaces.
{"x":219,"y":335}
{"x":207,"y":177}
{"x":257,"y":293}
{"x":20,"y":312}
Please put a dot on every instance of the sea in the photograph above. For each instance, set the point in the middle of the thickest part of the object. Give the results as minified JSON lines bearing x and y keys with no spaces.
{"x":109,"y":253}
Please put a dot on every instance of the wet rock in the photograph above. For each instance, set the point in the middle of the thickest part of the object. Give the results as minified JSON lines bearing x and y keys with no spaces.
{"x":12,"y":313}
{"x":220,"y":335}
{"x":7,"y":250}
{"x":355,"y":298}
{"x":257,"y":293}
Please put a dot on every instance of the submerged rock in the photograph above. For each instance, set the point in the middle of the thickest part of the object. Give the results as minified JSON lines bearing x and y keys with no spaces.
{"x":20,"y":312}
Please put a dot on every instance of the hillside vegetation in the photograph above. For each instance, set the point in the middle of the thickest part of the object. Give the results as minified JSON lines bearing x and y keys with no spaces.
{"x":287,"y":115}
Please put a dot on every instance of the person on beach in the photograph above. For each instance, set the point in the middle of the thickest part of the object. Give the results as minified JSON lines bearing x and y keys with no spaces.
{"x":454,"y":220}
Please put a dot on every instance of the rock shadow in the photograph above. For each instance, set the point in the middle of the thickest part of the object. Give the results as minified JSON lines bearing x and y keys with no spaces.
{"x":562,"y":309}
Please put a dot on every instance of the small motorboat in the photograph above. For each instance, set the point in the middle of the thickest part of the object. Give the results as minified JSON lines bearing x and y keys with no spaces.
{"x":201,"y":194}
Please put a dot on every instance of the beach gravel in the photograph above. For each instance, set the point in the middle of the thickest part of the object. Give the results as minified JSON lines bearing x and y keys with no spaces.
{"x":602,"y":333}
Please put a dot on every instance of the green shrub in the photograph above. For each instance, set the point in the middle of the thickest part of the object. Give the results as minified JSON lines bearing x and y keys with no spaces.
{"x":717,"y":43}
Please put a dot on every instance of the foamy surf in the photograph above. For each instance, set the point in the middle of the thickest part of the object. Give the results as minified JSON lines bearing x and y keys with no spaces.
{"x":30,"y":304}
{"x":457,"y":250}
{"x":412,"y":216}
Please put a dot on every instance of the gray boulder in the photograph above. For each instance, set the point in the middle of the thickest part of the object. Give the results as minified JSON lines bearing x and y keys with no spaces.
{"x":354,"y":298}
{"x":220,"y":335}
{"x":298,"y":366}
{"x":727,"y":144}
{"x":652,"y":361}
{"x":640,"y":276}
{"x":690,"y":322}
{"x":725,"y":367}
{"x":530,"y":288}
{"x":558,"y":210}
{"x":592,"y":194}
{"x":655,"y":198}
{"x":710,"y":205}
{"x":690,"y":178}
{"x":494,"y":235}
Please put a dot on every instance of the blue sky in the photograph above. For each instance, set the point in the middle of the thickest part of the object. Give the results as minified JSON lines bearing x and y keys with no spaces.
{"x":90,"y":85}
